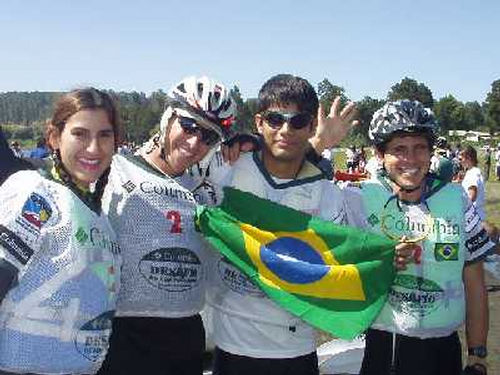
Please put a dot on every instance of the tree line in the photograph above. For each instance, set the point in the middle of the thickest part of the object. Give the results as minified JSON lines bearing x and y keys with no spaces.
{"x":141,"y":113}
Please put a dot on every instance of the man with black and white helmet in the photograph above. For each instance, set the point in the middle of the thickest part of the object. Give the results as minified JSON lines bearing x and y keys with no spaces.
{"x":415,"y":332}
{"x":151,"y":202}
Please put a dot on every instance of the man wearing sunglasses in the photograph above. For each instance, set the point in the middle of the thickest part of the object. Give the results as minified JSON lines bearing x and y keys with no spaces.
{"x":252,"y":334}
{"x":151,"y":201}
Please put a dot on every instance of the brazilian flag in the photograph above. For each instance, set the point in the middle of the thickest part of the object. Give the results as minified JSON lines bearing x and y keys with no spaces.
{"x":334,"y":277}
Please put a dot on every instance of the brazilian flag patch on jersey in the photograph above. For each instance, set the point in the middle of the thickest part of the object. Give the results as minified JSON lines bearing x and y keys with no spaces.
{"x":446,"y":251}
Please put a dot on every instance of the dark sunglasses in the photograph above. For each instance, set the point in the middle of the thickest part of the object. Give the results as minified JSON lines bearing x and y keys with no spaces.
{"x":296,"y":120}
{"x":189,"y":126}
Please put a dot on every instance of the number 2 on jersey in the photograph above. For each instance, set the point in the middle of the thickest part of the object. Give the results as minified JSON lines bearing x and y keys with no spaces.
{"x":175,"y":218}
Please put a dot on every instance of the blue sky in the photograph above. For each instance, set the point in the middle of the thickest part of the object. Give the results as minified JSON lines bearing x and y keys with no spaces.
{"x":364,"y":46}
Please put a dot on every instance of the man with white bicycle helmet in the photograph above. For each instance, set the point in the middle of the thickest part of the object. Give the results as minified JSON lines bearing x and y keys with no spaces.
{"x":151,"y":201}
{"x":415,"y":333}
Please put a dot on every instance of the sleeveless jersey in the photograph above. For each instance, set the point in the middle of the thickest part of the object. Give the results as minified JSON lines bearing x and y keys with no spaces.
{"x":57,"y":319}
{"x":163,"y":256}
{"x":428,"y":299}
{"x":245,"y":321}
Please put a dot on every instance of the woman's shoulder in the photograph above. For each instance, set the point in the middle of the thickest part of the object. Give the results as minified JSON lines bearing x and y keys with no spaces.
{"x":25,"y":185}
{"x":23,"y":181}
{"x":28,"y":205}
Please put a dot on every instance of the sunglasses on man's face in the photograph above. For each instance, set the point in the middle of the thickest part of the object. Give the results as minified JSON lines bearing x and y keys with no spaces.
{"x":296,"y":120}
{"x":189,"y":126}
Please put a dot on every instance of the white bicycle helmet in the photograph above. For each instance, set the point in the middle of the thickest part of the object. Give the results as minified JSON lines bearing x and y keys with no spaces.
{"x":203,"y":99}
{"x":402,"y":116}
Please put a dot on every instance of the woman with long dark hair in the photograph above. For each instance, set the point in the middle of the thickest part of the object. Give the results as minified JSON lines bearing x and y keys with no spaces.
{"x":59,"y":259}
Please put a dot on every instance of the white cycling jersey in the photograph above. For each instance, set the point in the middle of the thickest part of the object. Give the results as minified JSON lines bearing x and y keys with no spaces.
{"x":474,"y":177}
{"x":57,"y":318}
{"x":245,"y":321}
{"x":163,"y":256}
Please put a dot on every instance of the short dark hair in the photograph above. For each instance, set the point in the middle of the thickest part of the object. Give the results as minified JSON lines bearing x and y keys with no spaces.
{"x":288,"y":89}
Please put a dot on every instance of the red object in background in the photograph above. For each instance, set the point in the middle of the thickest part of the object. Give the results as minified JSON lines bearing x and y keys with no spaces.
{"x":345,"y":176}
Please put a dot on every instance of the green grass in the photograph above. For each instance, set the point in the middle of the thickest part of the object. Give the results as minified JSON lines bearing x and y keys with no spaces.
{"x":493,"y":201}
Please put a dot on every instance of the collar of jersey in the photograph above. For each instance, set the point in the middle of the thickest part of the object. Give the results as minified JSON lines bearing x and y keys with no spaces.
{"x":307,"y":173}
{"x":91,"y":200}
{"x":432,"y":185}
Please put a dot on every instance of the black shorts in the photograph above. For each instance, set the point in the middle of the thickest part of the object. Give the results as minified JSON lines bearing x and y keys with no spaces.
{"x":412,"y":356}
{"x":155,"y":346}
{"x":231,"y":364}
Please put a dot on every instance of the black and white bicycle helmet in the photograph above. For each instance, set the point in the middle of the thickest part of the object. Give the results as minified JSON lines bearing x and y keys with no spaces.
{"x":441,"y":143}
{"x":403,"y":116}
{"x":203,"y":99}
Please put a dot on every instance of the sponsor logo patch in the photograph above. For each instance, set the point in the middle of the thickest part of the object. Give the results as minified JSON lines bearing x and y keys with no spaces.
{"x":92,"y":339}
{"x":81,"y":236}
{"x":36,"y":211}
{"x":471,"y":218}
{"x":15,"y":246}
{"x":237,"y":281}
{"x":373,"y":220}
{"x":129,"y":186}
{"x":96,"y":238}
{"x":174,"y":269}
{"x":148,"y":187}
{"x":415,"y":295}
{"x":477,"y":242}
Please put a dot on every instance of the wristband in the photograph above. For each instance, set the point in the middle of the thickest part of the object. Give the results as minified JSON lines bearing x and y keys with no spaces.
{"x":478,"y":351}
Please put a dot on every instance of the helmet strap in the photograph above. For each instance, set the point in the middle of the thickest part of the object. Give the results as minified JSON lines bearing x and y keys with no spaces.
{"x":402,"y":188}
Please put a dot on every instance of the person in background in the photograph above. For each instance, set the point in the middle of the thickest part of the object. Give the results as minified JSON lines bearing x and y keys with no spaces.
{"x":372,"y":166}
{"x":16,"y":149}
{"x":441,"y":165}
{"x":59,"y":259}
{"x":10,"y":163}
{"x":326,"y":163}
{"x":351,"y":156}
{"x":497,"y":162}
{"x":438,"y":153}
{"x":473,"y":182}
{"x":41,"y":151}
{"x":124,"y":149}
{"x":362,"y":160}
{"x":487,"y":163}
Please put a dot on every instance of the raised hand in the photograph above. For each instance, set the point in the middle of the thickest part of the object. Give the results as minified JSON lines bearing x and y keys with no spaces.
{"x":334,"y":127}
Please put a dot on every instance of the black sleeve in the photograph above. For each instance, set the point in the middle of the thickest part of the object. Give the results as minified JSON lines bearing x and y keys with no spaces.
{"x":9,"y":163}
{"x":245,"y":138}
{"x":323,"y":164}
{"x":313,"y":156}
{"x":8,"y":277}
